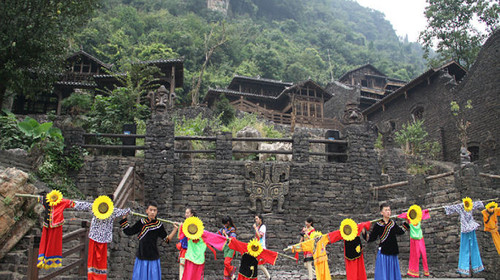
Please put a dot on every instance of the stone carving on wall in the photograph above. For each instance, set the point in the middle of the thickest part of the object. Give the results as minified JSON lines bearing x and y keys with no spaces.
{"x":267,"y":182}
{"x":352,"y":114}
{"x":161,"y":99}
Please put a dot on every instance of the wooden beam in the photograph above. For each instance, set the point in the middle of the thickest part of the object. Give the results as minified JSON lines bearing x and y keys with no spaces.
{"x":172,"y":86}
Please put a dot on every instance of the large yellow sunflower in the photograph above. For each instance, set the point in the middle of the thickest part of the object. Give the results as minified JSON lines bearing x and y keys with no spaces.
{"x":467,"y":204}
{"x":102,"y":207}
{"x":54,"y":197}
{"x":348,"y":229}
{"x":254,"y":248}
{"x":492,"y":204}
{"x":193,"y":228}
{"x":414,"y":214}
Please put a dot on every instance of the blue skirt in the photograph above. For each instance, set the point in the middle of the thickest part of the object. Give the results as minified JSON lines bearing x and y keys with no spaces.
{"x":146,"y":270}
{"x":387,"y":267}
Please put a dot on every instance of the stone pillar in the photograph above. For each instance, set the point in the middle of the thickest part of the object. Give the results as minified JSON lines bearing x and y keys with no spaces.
{"x":224,"y":146}
{"x":159,"y":162}
{"x":300,"y":149}
{"x":73,"y":136}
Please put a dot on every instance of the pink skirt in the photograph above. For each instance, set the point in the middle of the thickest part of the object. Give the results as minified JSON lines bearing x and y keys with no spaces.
{"x":193,"y":271}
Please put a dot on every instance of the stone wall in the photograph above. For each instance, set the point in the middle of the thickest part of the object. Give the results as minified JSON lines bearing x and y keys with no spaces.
{"x":481,"y":86}
{"x":329,"y":192}
{"x":100,"y":175}
{"x":342,"y":94}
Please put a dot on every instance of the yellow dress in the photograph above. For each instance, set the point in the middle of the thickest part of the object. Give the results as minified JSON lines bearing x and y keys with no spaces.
{"x":319,"y":253}
{"x":491,"y":225}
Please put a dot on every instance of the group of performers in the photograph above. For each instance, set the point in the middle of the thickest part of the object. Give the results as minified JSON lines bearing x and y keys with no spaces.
{"x":194,"y":240}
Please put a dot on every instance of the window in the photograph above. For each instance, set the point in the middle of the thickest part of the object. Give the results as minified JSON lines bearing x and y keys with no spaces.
{"x":418,"y":113}
{"x":364,"y":83}
{"x":474,"y":153}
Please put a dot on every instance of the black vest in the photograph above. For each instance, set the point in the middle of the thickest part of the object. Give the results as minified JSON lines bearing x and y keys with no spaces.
{"x":350,"y":252}
{"x":248,"y":266}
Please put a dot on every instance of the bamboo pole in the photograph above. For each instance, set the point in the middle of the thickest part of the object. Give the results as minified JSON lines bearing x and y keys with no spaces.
{"x":161,"y":220}
{"x":27,"y":195}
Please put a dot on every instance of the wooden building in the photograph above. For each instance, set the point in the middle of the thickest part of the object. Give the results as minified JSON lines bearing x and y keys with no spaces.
{"x":281,"y":102}
{"x":374,"y":85}
{"x":427,"y":98}
{"x":85,"y":72}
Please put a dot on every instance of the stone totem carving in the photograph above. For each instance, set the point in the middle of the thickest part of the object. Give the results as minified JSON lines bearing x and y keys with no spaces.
{"x":352,"y":114}
{"x":161,"y":99}
{"x":267,"y":182}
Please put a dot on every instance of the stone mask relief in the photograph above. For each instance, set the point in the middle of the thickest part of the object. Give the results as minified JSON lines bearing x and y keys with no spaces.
{"x":267,"y":182}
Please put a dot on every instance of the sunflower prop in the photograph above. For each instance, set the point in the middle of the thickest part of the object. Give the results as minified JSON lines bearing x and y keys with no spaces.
{"x":467,"y":204}
{"x":348,"y":229}
{"x":102,"y":207}
{"x":254,"y":248}
{"x":54,"y":197}
{"x":414,"y":214}
{"x":193,"y":228}
{"x":492,"y":204}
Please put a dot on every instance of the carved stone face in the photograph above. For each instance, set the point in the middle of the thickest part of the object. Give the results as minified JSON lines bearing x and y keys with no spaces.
{"x":352,"y":114}
{"x":161,"y":99}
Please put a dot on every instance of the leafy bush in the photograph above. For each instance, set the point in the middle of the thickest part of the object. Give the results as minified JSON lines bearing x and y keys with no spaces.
{"x":11,"y":137}
{"x":413,"y":140}
{"x":251,"y":120}
{"x":77,"y":103}
{"x":224,"y":110}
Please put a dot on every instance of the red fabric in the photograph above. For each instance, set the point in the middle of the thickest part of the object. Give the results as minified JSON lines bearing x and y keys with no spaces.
{"x":193,"y":271}
{"x":50,"y":251}
{"x":417,"y":249}
{"x":56,"y":213}
{"x":355,"y":269}
{"x":228,"y":268}
{"x":213,"y":239}
{"x":212,"y":249}
{"x":266,"y":256}
{"x":241,"y":277}
{"x":97,"y":262}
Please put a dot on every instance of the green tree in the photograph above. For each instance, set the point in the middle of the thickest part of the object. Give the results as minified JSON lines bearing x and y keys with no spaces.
{"x":450,"y":25}
{"x":33,"y":41}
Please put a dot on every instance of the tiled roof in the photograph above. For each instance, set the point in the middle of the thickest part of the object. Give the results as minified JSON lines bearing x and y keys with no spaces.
{"x":360,"y":67}
{"x":91,"y":57}
{"x":259,"y":79}
{"x":400,"y":91}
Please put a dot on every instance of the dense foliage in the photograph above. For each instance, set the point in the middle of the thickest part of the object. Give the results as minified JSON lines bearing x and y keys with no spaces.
{"x":45,"y":144}
{"x":34,"y":35}
{"x":290,"y":40}
{"x":451,"y":27}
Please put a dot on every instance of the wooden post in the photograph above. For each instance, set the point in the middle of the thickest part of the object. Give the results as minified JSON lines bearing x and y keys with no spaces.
{"x":172,"y":86}
{"x":82,"y":271}
{"x":33,"y":259}
{"x":59,"y":101}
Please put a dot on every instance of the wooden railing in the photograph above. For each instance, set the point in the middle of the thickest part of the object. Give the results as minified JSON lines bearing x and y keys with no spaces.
{"x":125,"y":188}
{"x":287,"y":119}
{"x":81,"y":248}
{"x":124,"y":185}
{"x":110,"y":135}
{"x":404,"y":183}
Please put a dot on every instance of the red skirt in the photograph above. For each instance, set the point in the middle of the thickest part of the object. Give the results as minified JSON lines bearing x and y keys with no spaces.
{"x":355,"y":269}
{"x":50,"y":251}
{"x":97,"y":262}
{"x":193,"y":271}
